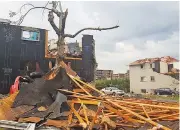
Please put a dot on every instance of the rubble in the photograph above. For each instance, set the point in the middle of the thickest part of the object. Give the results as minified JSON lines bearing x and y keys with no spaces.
{"x":86,"y":110}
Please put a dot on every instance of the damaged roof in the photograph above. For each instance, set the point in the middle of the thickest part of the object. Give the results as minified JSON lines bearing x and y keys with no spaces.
{"x":166,"y":59}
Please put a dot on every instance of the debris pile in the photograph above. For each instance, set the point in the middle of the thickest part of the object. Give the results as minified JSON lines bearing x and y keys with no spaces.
{"x":89,"y":108}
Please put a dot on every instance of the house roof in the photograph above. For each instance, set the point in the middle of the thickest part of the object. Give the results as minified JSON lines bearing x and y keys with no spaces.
{"x":166,"y":59}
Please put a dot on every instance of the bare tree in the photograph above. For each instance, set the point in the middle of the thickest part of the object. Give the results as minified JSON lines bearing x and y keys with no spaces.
{"x":60,"y":31}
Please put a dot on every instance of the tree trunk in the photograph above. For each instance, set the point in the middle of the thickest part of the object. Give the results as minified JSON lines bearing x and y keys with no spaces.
{"x":60,"y":50}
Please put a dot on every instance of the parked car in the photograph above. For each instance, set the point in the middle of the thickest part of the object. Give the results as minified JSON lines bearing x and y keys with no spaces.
{"x":164,"y":91}
{"x":112,"y":91}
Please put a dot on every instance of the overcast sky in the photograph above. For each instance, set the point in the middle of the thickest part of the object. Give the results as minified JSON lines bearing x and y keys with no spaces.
{"x":147,"y":29}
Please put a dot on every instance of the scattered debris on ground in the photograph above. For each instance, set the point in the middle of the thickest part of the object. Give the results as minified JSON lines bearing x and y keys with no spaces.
{"x":80,"y":105}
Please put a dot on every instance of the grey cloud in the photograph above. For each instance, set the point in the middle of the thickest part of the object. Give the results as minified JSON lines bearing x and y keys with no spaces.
{"x":140,"y":22}
{"x":137,"y":19}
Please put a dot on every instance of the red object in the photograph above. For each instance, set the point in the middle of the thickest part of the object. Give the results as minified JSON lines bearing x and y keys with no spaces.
{"x":15,"y":87}
{"x":69,"y":65}
{"x":37,"y":67}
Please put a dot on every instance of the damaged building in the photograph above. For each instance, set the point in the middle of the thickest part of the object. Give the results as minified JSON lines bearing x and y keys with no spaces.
{"x":26,"y":49}
{"x":22,"y":48}
{"x":85,"y":67}
{"x":148,"y":74}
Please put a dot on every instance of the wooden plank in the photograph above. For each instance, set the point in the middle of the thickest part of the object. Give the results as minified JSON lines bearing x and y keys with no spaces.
{"x":139,"y":116}
{"x":78,"y":116}
{"x":80,"y":90}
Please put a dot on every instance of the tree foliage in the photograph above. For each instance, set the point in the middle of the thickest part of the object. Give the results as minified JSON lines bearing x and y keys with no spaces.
{"x":123,"y":84}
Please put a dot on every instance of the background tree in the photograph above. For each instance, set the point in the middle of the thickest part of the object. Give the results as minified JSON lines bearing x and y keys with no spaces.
{"x":60,"y":31}
{"x":123,"y":84}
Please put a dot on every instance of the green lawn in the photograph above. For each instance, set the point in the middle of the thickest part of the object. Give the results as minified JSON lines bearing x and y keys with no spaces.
{"x":168,"y":98}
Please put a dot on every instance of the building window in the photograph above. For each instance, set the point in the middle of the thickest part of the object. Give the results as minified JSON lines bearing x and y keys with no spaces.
{"x":170,"y":66}
{"x":152,"y":79}
{"x":143,"y":90}
{"x":30,"y":35}
{"x":143,"y":79}
{"x":142,"y":66}
{"x":150,"y":65}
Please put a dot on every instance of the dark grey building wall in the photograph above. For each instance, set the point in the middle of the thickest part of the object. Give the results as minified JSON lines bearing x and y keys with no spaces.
{"x":157,"y":66}
{"x":76,"y":65}
{"x":88,"y":58}
{"x":14,"y":51}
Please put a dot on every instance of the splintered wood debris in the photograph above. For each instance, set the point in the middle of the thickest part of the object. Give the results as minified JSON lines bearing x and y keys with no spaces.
{"x":90,"y":111}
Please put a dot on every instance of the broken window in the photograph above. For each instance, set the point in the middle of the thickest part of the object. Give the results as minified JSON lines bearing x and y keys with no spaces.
{"x":143,"y":79}
{"x":150,"y":65}
{"x":142,"y":66}
{"x":152,"y":78}
{"x":143,"y":90}
{"x":170,"y":66}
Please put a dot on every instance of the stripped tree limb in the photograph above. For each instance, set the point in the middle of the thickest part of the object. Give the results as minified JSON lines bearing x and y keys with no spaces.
{"x":23,"y":16}
{"x":60,"y":30}
{"x":11,"y":13}
{"x":51,"y":21}
{"x":64,"y":22}
{"x":54,"y":6}
{"x":99,"y":29}
{"x":44,"y":9}
{"x":51,"y":17}
{"x":28,"y":4}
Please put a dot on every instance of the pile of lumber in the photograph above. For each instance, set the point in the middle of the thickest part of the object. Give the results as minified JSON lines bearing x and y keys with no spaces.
{"x":90,"y":109}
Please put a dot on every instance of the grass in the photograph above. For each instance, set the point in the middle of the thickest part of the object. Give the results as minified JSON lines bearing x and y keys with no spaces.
{"x":160,"y":97}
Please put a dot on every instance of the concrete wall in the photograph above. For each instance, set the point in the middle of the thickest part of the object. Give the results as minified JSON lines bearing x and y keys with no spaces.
{"x":104,"y":74}
{"x":163,"y":67}
{"x":160,"y":80}
{"x":176,"y":65}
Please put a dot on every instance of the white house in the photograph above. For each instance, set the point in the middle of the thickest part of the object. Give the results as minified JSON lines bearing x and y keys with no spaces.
{"x":152,"y":73}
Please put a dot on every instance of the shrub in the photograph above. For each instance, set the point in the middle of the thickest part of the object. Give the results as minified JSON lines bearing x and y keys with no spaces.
{"x":123,"y":84}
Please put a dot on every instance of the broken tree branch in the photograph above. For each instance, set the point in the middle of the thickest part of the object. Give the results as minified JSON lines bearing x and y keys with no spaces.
{"x":64,"y":22}
{"x":44,"y":9}
{"x":23,"y":16}
{"x":99,"y":29}
{"x":28,"y":4}
{"x":12,"y":14}
{"x":54,"y":6}
{"x":51,"y":21}
{"x":33,"y":7}
{"x":51,"y":17}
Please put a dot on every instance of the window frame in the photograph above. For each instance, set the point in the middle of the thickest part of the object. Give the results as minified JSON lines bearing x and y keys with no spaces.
{"x":142,"y":66}
{"x":152,"y":78}
{"x":30,"y":31}
{"x":150,"y":65}
{"x":144,"y":78}
{"x":143,"y":91}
